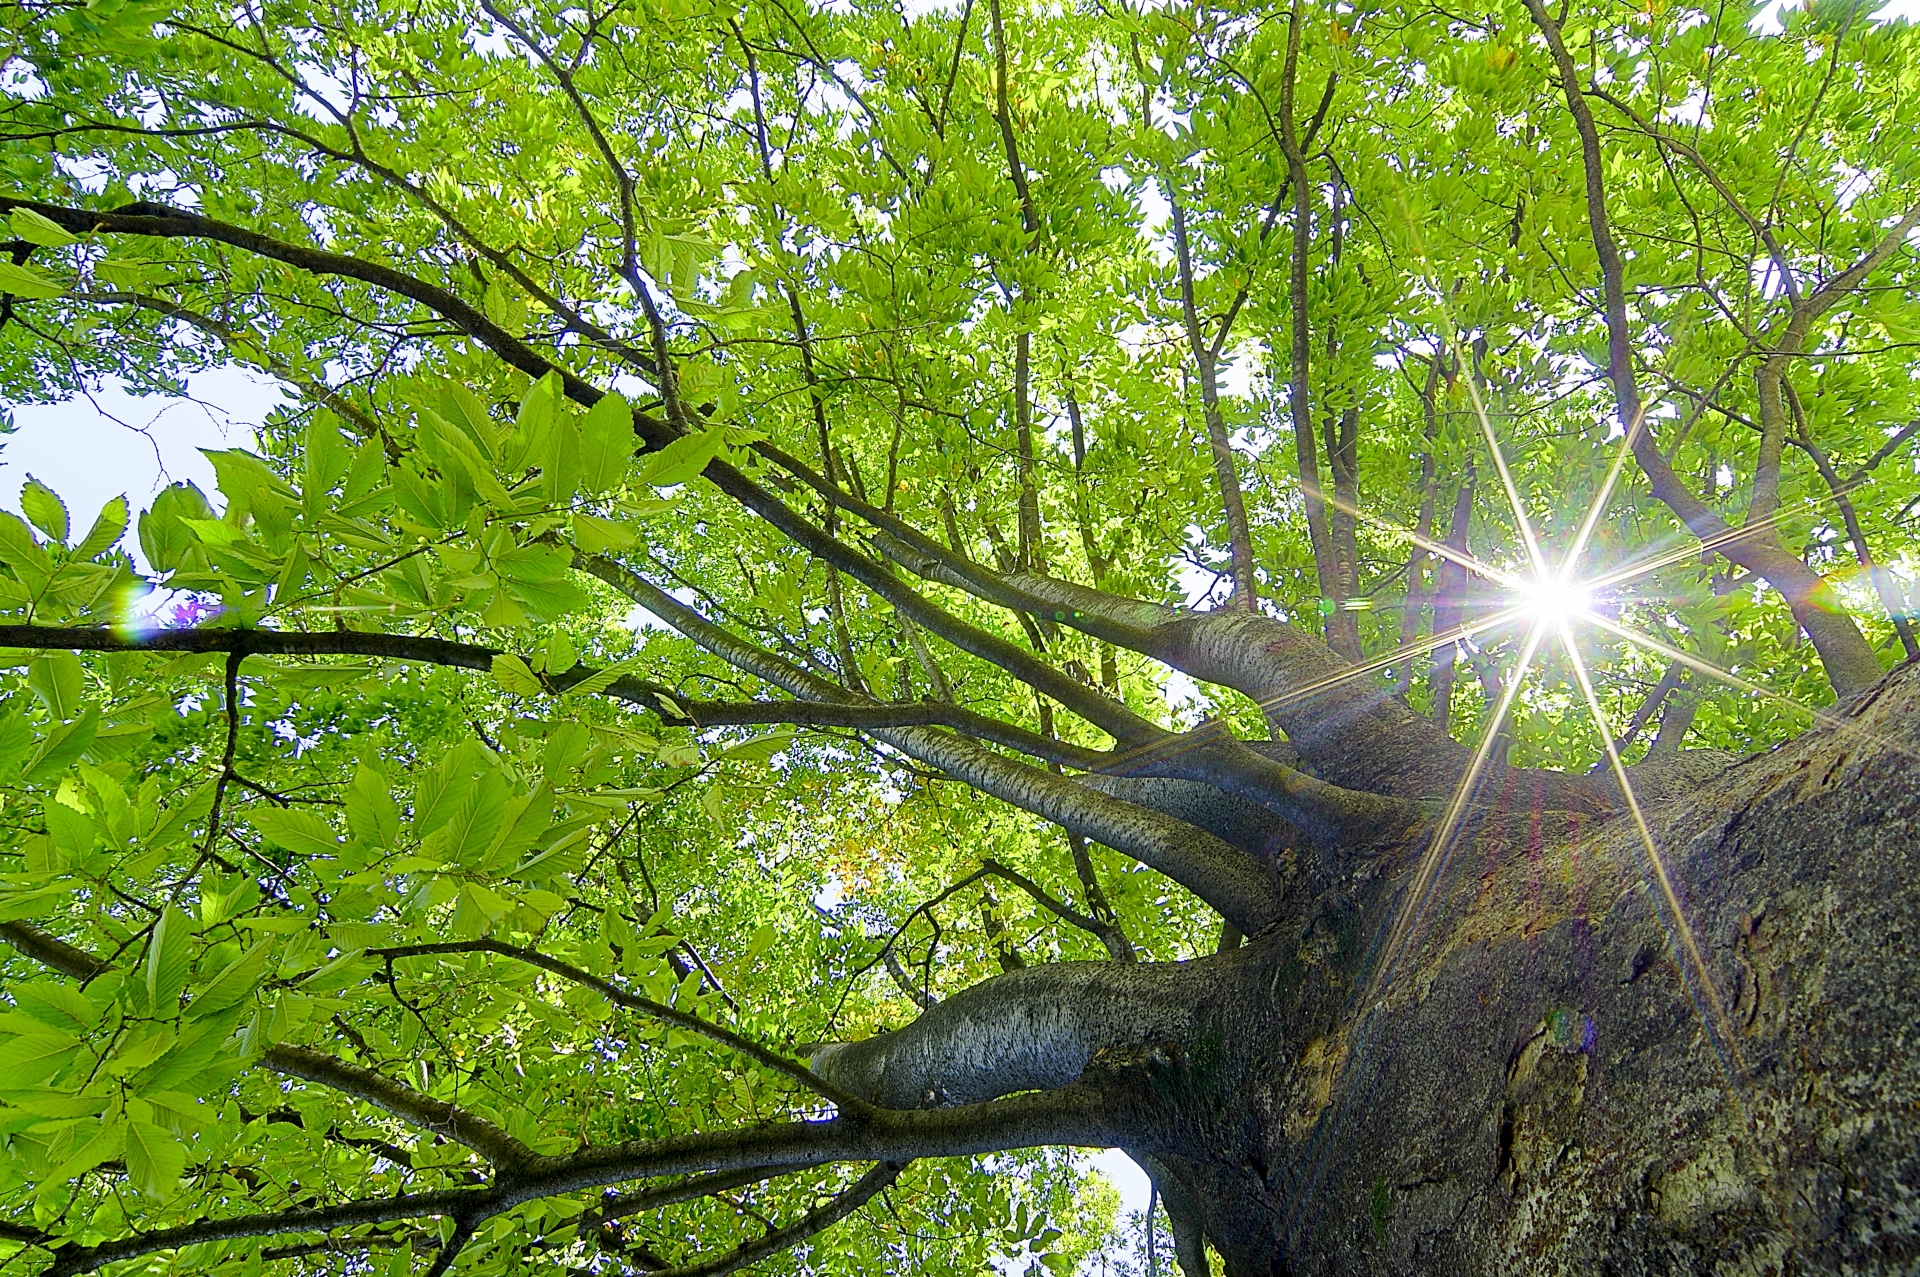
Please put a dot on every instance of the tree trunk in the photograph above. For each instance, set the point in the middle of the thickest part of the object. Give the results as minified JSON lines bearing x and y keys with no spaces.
{"x":1537,"y":1078}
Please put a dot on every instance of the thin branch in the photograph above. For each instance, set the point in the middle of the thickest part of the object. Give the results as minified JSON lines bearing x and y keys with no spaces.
{"x":405,"y":1103}
{"x":779,"y":1239}
{"x":620,"y":1205}
{"x":846,"y":1102}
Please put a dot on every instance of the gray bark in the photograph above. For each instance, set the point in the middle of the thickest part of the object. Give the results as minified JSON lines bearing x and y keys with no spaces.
{"x":1541,"y":1080}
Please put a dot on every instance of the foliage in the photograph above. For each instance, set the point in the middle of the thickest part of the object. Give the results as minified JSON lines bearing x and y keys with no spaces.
{"x":969,"y":265}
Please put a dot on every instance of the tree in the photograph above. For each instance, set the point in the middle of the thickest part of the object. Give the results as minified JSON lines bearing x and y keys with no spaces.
{"x":756,"y":470}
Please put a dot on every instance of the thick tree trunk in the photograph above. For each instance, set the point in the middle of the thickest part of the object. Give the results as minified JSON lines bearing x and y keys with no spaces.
{"x":1537,"y":1079}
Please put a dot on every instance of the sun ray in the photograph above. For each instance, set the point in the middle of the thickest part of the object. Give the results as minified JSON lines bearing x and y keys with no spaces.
{"x":1698,"y":545}
{"x":1711,"y":670}
{"x":1823,"y":717}
{"x":1461,"y":557}
{"x":1534,"y":553}
{"x":1601,"y":500}
{"x":1439,"y":847}
{"x":1419,"y":647}
{"x":1120,"y":760}
{"x":1680,"y":937}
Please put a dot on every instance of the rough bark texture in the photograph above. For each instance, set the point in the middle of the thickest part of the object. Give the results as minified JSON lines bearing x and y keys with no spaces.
{"x":1532,"y":1087}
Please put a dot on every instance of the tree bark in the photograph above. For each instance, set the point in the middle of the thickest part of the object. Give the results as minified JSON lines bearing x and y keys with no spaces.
{"x":1549,"y":1075}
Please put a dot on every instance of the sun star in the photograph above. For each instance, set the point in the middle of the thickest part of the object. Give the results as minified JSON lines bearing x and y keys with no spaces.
{"x":1551,"y":601}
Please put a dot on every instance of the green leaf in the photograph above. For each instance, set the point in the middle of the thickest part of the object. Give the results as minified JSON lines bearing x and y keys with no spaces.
{"x":372,"y":814}
{"x":595,"y":535}
{"x":453,"y":451}
{"x":44,"y":508}
{"x":155,"y":1160}
{"x":476,"y":909}
{"x":22,"y":281}
{"x":540,"y":579}
{"x":606,"y":444}
{"x":106,"y":1144}
{"x":108,"y":527}
{"x":235,"y":983}
{"x":525,"y":822}
{"x":63,"y":746}
{"x":514,"y":675}
{"x":31,"y":1058}
{"x":169,"y":958}
{"x":130,"y":274}
{"x":345,"y":971}
{"x":760,"y":749}
{"x":196,"y":1047}
{"x":563,"y":857}
{"x":58,"y":679}
{"x":73,"y":832}
{"x":300,"y":832}
{"x":164,"y":537}
{"x":37,"y":228}
{"x":533,"y":426}
{"x":683,"y":459}
{"x":18,"y":547}
{"x":600,"y":680}
{"x":57,"y":1005}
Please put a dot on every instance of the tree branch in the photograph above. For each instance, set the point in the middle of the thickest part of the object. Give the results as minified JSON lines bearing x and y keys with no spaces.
{"x":1849,"y":660}
{"x":814,"y":1221}
{"x":646,"y":1006}
{"x":405,"y":1103}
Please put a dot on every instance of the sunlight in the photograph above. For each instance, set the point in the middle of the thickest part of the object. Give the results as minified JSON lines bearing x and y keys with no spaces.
{"x":1552,"y":601}
{"x":1694,"y":975}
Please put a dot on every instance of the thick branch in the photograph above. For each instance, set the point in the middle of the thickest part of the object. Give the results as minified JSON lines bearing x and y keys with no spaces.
{"x":1226,"y":878}
{"x":48,"y":951}
{"x":380,"y":1210}
{"x":675,"y":709}
{"x":1031,"y":1029}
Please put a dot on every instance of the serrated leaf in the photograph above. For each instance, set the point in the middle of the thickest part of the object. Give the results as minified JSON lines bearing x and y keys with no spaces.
{"x":57,"y":1005}
{"x":600,"y":680}
{"x":514,"y":675}
{"x":164,"y":538}
{"x":108,"y":527}
{"x":107,"y":1143}
{"x":349,"y":969}
{"x":595,"y":535}
{"x":128,"y":273}
{"x":683,"y":459}
{"x":300,"y":832}
{"x":760,"y":749}
{"x":63,"y":746}
{"x":154,"y":1158}
{"x":37,"y":228}
{"x":169,"y":957}
{"x":235,"y":983}
{"x":58,"y":679}
{"x":606,"y":444}
{"x":44,"y":508}
{"x":195,"y":1048}
{"x":372,"y":814}
{"x":25,"y":282}
{"x":31,"y":1058}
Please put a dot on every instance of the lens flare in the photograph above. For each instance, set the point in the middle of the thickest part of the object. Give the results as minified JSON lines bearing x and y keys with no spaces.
{"x":1554,"y":602}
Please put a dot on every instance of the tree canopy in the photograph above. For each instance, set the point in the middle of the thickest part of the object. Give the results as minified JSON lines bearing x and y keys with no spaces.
{"x":797,"y":518}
